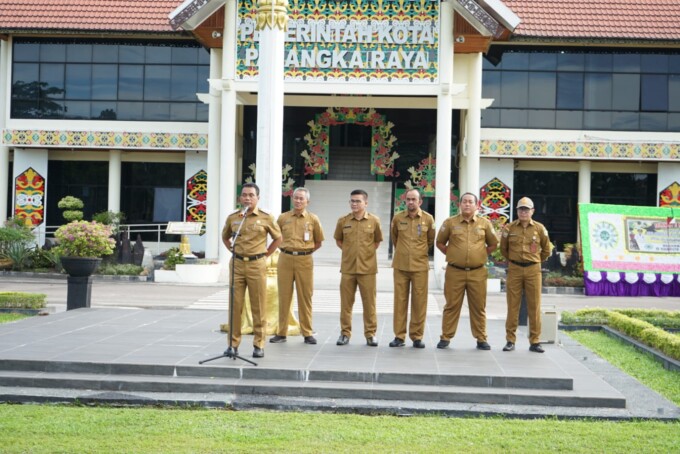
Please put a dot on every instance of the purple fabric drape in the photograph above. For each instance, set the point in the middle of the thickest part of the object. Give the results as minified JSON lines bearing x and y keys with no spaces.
{"x":624,"y":288}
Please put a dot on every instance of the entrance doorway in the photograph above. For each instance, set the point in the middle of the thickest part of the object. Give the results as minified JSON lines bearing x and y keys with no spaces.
{"x":350,"y":163}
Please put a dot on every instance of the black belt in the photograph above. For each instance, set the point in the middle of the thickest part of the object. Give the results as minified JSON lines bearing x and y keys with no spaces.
{"x":249,"y":259}
{"x":465,"y":268}
{"x":523,"y":264}
{"x":297,"y":253}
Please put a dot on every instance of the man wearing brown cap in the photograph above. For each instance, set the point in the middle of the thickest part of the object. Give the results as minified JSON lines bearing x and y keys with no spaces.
{"x":412,"y":235}
{"x":466,"y":239}
{"x":525,"y":244}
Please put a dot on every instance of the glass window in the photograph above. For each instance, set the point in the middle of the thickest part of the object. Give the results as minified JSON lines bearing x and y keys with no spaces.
{"x":516,"y":60}
{"x":674,"y":64}
{"x":53,"y":52}
{"x":514,"y":118}
{"x":569,"y":119}
{"x":654,"y":95}
{"x":203,"y":76}
{"x":131,"y":82}
{"x":491,"y":118}
{"x":542,"y":119}
{"x":202,"y":111}
{"x":183,"y":83}
{"x":203,"y":56}
{"x":598,"y":91}
{"x":184,"y":55}
{"x":104,"y":110}
{"x":25,"y":81}
{"x":131,"y":54}
{"x":599,"y":62}
{"x":79,"y":53}
{"x":26,"y":52}
{"x":542,"y":61}
{"x":143,"y":182}
{"x":52,"y":76}
{"x":569,"y":91}
{"x":637,"y":189}
{"x":626,"y":92}
{"x":104,"y":81}
{"x":130,"y":111}
{"x":78,"y":81}
{"x":650,"y":121}
{"x":104,"y":53}
{"x":183,"y":112}
{"x":77,"y":110}
{"x":157,"y":111}
{"x":597,"y":119}
{"x":570,"y":62}
{"x":157,"y":54}
{"x":87,"y":180}
{"x":625,"y":121}
{"x":626,"y":63}
{"x":654,"y":63}
{"x":674,"y":93}
{"x":157,"y":83}
{"x":674,"y":122}
{"x":542,"y":90}
{"x":491,"y":87}
{"x":515,"y":88}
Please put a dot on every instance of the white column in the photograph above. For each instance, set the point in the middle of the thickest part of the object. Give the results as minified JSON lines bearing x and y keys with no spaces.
{"x":114,"y":180}
{"x":213,"y":222}
{"x":4,"y":151}
{"x":228,"y":157}
{"x":474,"y":121}
{"x":271,"y":19}
{"x":584,"y":179}
{"x":462,"y":153}
{"x":444,"y":119}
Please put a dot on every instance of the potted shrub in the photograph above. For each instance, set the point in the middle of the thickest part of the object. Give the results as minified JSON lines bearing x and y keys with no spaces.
{"x":82,"y":244}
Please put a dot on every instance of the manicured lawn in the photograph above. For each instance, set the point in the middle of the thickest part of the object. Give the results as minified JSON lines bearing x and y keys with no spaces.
{"x":633,"y":362}
{"x":47,"y":428}
{"x":6,"y":317}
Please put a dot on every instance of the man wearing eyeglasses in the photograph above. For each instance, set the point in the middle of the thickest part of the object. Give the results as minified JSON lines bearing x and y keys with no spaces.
{"x":525,"y":244}
{"x":358,"y":234}
{"x":249,"y":263}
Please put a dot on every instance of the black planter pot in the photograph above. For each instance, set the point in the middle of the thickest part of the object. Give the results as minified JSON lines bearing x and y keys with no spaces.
{"x":80,"y":270}
{"x":80,"y":266}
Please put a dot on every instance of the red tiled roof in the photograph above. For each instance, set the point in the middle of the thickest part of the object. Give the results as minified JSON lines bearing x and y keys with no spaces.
{"x":99,"y":15}
{"x":599,"y":19}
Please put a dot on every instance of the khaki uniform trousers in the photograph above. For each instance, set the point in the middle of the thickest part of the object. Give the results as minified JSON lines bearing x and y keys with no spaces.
{"x":297,"y":270}
{"x":252,"y":274}
{"x":527,"y":279}
{"x":416,"y":283}
{"x":457,"y":283}
{"x":367,"y":290}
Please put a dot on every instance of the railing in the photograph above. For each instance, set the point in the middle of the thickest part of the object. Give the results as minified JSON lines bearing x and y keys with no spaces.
{"x":132,"y":229}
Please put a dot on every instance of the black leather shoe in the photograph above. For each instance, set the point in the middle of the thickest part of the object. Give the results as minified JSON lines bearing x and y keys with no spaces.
{"x":443,"y":344}
{"x":258,"y":353}
{"x":278,"y":339}
{"x":231,"y":351}
{"x":483,"y":345}
{"x":342,"y":340}
{"x":536,"y":348}
{"x":372,"y":341}
{"x":418,"y":344}
{"x":509,"y":347}
{"x":397,"y":342}
{"x":310,"y":340}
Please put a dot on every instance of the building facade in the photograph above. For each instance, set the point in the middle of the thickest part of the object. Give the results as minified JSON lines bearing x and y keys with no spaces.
{"x":155,"y":111}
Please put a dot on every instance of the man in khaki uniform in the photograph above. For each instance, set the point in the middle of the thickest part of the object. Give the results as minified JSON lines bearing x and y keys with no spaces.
{"x":412,"y":235}
{"x":466,"y":239}
{"x":302,"y":235}
{"x":249,"y":265}
{"x":525,"y":244}
{"x":358,"y":234}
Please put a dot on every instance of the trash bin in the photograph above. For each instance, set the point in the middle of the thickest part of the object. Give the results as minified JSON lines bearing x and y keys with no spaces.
{"x":548,"y":323}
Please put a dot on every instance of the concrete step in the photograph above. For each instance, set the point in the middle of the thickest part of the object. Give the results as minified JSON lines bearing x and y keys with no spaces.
{"x":304,"y":389}
{"x":10,"y":368}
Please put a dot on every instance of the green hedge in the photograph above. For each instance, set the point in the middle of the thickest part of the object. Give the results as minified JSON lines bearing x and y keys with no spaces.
{"x":21,"y":300}
{"x":599,"y":316}
{"x":593,"y":316}
{"x":646,"y":332}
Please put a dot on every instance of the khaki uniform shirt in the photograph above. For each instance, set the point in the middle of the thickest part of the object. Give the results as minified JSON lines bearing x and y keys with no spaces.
{"x":530,"y":244}
{"x":412,"y":239}
{"x":358,"y":243}
{"x":252,"y":239}
{"x":467,"y":240}
{"x":300,"y":231}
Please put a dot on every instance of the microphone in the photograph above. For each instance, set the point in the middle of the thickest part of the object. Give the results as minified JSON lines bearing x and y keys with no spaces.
{"x":244,"y":211}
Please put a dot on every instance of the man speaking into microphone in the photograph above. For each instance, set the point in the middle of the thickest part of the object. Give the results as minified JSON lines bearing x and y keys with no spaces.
{"x":249,"y":251}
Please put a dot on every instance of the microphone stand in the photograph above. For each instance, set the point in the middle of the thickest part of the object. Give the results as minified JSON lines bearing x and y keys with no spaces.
{"x":231,"y":352}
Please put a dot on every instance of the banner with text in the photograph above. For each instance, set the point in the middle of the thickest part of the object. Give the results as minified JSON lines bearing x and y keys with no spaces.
{"x":630,"y":238}
{"x":387,"y":41}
